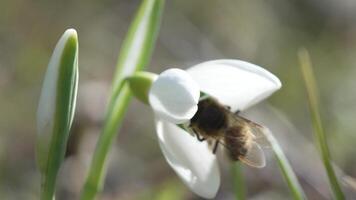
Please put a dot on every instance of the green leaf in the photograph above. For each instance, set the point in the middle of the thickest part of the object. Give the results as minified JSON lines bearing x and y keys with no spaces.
{"x":134,"y":56}
{"x":56,"y":110}
{"x":285,"y":167}
{"x":319,"y":135}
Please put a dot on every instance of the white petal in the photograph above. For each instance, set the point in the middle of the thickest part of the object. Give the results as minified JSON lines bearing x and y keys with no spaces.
{"x":192,"y":160}
{"x":174,"y":96}
{"x":236,"y":83}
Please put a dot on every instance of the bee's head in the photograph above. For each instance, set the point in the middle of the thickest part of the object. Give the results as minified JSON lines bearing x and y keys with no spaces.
{"x":210,"y":116}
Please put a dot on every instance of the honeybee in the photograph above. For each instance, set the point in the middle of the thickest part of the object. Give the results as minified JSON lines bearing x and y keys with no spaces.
{"x":215,"y":122}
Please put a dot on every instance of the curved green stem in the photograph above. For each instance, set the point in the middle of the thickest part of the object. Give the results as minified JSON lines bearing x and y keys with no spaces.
{"x":238,"y":180}
{"x":134,"y":56}
{"x":93,"y":182}
{"x":286,"y":169}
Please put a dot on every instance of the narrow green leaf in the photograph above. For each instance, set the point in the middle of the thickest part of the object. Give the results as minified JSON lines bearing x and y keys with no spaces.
{"x":286,"y":169}
{"x":319,"y":135}
{"x":134,"y":56}
{"x":56,"y":110}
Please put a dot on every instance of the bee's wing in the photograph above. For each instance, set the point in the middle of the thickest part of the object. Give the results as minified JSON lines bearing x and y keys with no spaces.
{"x":260,"y":136}
{"x":255,"y":156}
{"x":258,"y":131}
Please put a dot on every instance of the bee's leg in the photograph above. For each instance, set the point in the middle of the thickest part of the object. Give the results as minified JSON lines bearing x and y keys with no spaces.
{"x":216,"y":146}
{"x":200,"y":139}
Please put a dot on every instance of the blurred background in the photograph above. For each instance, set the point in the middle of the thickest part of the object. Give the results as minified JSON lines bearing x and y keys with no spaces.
{"x":267,"y":33}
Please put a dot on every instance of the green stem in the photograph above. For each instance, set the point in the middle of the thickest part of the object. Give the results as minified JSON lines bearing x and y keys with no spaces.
{"x":319,"y":135}
{"x":238,"y":180}
{"x":93,"y":183}
{"x":134,"y":56}
{"x":286,"y":169}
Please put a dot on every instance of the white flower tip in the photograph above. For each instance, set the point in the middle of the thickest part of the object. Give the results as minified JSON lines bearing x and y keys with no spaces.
{"x":48,"y":103}
{"x":207,"y":193}
{"x":274,"y":79}
{"x":192,"y":160}
{"x":71,"y":32}
{"x":174,"y":96}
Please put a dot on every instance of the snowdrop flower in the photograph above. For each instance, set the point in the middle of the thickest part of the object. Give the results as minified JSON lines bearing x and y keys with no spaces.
{"x":57,"y":101}
{"x":174,"y":96}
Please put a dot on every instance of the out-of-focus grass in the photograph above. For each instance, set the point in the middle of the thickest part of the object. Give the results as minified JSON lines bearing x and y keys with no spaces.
{"x":319,"y":135}
{"x":238,"y":181}
{"x":170,"y":190}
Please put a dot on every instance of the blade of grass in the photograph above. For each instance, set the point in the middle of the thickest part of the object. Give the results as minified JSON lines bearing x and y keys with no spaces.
{"x":285,"y":167}
{"x":171,"y":189}
{"x":319,"y":135}
{"x":238,"y":180}
{"x":56,"y":110}
{"x":134,"y":56}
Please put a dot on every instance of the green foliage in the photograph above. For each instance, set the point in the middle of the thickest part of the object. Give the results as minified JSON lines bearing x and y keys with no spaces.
{"x":134,"y":56}
{"x":319,"y":135}
{"x":56,"y":110}
{"x":286,"y":169}
{"x":238,"y":180}
{"x":171,"y":190}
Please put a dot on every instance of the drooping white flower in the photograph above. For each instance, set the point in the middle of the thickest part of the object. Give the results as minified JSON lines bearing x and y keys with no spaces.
{"x":174,"y":97}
